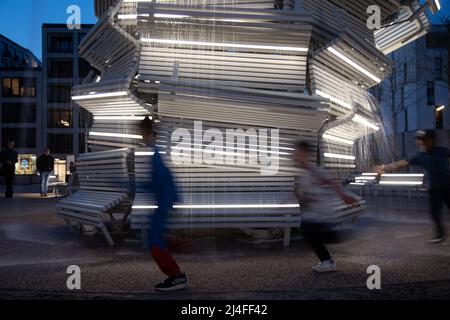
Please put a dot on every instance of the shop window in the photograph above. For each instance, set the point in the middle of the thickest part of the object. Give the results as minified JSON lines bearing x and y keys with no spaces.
{"x":26,"y":164}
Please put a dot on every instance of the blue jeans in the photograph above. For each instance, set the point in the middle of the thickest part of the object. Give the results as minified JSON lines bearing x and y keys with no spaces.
{"x":45,"y":176}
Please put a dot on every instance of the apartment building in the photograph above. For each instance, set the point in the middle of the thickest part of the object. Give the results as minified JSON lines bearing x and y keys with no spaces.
{"x":20,"y":104}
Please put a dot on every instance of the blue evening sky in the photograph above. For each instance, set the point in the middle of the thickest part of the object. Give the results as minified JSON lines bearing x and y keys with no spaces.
{"x":21,"y":20}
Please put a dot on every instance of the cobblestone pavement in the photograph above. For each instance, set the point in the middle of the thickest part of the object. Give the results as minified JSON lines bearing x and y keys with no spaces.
{"x":36,"y":248}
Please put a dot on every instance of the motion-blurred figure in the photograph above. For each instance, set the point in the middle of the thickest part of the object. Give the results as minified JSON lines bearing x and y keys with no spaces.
{"x":435,"y":161}
{"x":314,"y":192}
{"x":164,"y":189}
{"x":8,"y":160}
{"x":45,"y":165}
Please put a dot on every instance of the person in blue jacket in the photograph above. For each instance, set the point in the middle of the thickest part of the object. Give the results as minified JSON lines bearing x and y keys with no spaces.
{"x":435,"y":161}
{"x":164,"y":189}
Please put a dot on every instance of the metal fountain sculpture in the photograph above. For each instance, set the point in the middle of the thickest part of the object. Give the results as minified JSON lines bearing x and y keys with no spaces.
{"x":233,"y":64}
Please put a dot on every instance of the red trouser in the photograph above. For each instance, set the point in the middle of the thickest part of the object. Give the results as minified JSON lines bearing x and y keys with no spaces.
{"x":165,"y":261}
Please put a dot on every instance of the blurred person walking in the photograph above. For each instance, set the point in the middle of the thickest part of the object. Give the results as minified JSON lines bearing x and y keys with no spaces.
{"x":435,"y":161}
{"x":45,"y":166}
{"x":8,"y":160}
{"x":315,"y":192}
{"x":164,"y":189}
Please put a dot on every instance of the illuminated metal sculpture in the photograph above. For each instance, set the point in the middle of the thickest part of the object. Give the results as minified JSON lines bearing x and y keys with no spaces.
{"x":304,"y":70}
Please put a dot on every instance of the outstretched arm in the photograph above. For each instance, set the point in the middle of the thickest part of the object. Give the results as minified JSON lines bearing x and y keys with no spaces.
{"x":392,"y":166}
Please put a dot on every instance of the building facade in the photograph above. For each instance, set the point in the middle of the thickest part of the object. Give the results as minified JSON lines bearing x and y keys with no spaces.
{"x":64,"y":122}
{"x":20,"y":104}
{"x":36,"y":106}
{"x":416,"y":95}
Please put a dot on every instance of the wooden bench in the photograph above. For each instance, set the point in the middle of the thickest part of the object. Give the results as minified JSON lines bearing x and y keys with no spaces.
{"x":104,"y":189}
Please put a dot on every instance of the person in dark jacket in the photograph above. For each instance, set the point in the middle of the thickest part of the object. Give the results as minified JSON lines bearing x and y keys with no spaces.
{"x":165,"y":192}
{"x":435,"y":161}
{"x":45,"y":164}
{"x":8,"y":160}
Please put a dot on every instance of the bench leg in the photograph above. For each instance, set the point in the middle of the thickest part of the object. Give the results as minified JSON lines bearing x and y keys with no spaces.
{"x":107,"y":235}
{"x":287,"y":237}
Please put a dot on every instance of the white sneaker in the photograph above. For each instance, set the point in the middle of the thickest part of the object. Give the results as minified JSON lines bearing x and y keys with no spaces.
{"x":325,"y":266}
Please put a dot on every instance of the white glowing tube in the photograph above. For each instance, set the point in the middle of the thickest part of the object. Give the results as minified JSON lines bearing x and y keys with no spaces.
{"x":226,"y":206}
{"x":353,"y":64}
{"x":100,"y":95}
{"x":403,"y":175}
{"x":147,"y":153}
{"x":127,"y":16}
{"x":121,"y":118}
{"x":168,"y":15}
{"x":338,"y":156}
{"x":440,"y":108}
{"x":337,"y":139}
{"x":219,"y":44}
{"x":115,"y":135}
{"x":438,"y":4}
{"x":365,"y":178}
{"x":357,"y":118}
{"x":401,"y":183}
{"x":369,"y":174}
{"x":333,"y":99}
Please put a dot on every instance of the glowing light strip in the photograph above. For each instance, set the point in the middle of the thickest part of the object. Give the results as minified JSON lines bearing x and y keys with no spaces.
{"x":357,"y":184}
{"x":369,"y":174}
{"x":100,"y":95}
{"x":403,"y":175}
{"x":338,"y":156}
{"x":218,"y":44}
{"x":401,"y":183}
{"x":167,"y":15}
{"x":357,"y":118}
{"x":353,"y":64}
{"x":147,"y":153}
{"x":119,"y":118}
{"x":226,"y":206}
{"x":156,"y":15}
{"x":440,"y":108}
{"x":333,"y":99}
{"x":115,"y":135}
{"x":438,"y":4}
{"x":337,"y":139}
{"x":365,"y":178}
{"x":127,"y":16}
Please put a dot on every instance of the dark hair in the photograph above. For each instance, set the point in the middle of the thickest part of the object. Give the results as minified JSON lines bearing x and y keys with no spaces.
{"x":425,"y":134}
{"x":303,"y":145}
{"x":147,"y":126}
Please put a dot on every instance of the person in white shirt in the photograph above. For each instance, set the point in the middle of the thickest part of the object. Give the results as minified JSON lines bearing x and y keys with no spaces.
{"x":314,"y":192}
